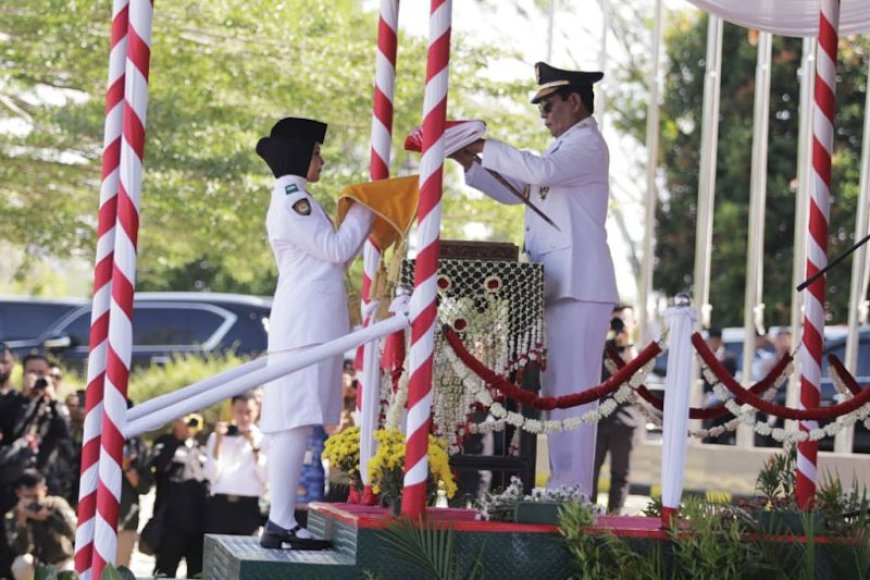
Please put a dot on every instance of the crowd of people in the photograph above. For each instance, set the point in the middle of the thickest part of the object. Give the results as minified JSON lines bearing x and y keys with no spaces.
{"x":206,"y":480}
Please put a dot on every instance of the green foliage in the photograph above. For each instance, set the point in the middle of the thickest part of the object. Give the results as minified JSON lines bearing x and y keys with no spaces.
{"x":45,"y":572}
{"x":49,"y":572}
{"x":221,"y":74}
{"x":766,"y":539}
{"x":603,"y":556}
{"x":848,"y":516}
{"x":680,"y":131}
{"x":112,"y":573}
{"x":426,"y":550}
{"x":180,"y":371}
{"x":776,"y":479}
{"x":712,"y":545}
{"x":653,"y":508}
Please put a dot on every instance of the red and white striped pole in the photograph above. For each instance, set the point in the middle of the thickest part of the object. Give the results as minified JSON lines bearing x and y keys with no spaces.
{"x":423,"y":309}
{"x":368,"y":394}
{"x":817,"y":242}
{"x":123,"y":282}
{"x":87,"y":505}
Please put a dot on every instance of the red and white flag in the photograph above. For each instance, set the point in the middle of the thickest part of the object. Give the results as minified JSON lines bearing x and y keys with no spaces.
{"x":457,"y":134}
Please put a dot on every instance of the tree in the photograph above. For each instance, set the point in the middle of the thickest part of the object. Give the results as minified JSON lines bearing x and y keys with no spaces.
{"x":221,"y":74}
{"x":681,"y":119}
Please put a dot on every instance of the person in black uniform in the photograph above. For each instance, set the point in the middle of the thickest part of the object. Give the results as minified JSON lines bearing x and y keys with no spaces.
{"x":618,"y":432}
{"x":182,"y":490}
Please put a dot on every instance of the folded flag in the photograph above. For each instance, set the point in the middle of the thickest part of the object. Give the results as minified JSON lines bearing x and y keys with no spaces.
{"x":393,"y":201}
{"x":457,"y":134}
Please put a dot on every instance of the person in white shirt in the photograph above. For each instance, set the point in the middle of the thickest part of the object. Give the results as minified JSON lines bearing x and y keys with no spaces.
{"x":569,"y":182}
{"x":235,"y":466}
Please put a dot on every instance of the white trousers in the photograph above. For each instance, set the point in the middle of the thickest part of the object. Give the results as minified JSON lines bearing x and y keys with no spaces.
{"x":576,"y":332}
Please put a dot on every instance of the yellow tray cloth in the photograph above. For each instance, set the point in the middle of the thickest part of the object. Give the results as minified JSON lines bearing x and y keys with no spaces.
{"x":393,"y":201}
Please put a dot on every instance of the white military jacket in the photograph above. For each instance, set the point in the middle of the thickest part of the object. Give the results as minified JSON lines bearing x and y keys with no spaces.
{"x":310,"y":304}
{"x":569,"y":183}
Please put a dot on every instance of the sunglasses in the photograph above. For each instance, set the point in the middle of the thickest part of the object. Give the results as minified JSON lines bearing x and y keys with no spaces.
{"x":546,"y":107}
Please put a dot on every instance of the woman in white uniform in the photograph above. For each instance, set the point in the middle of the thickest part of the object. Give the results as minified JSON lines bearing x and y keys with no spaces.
{"x":309,"y":308}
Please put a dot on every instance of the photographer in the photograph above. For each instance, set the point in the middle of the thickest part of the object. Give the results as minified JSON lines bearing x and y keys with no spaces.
{"x":180,"y":504}
{"x":236,"y":469}
{"x":41,"y":527}
{"x":34,"y":419}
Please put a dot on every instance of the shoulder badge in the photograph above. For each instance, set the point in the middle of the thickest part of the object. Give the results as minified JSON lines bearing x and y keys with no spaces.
{"x":291,"y":188}
{"x":302,"y":207}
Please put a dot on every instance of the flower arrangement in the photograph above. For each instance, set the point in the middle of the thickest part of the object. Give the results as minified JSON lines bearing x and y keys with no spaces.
{"x":502,"y":507}
{"x":342,"y":451}
{"x":387,"y":467}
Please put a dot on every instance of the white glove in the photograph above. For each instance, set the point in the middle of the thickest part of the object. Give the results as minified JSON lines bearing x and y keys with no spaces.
{"x":400,"y":304}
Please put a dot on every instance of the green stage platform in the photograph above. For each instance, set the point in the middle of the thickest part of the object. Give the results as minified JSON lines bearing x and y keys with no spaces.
{"x":508,"y":550}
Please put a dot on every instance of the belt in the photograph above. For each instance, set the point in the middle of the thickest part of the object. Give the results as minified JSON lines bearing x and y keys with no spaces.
{"x":233,"y":498}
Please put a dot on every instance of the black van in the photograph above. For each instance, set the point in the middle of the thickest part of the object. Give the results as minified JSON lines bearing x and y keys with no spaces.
{"x":167,"y":323}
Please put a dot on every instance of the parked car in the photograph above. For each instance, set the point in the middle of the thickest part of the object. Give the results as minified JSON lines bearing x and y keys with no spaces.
{"x":167,"y":323}
{"x":23,"y":318}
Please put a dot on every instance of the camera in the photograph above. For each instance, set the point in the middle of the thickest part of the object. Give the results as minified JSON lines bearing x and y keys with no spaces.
{"x":193,"y":422}
{"x":232,"y":431}
{"x":41,"y":383}
{"x":35,"y":506}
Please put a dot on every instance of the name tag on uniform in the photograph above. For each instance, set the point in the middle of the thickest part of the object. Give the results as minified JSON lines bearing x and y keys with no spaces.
{"x":292,"y":188}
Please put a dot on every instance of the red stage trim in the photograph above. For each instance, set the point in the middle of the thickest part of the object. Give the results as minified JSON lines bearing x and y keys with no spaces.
{"x":462,"y":520}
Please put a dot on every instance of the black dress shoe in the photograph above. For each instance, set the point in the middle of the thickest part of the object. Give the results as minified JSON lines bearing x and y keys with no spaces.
{"x":274,"y":537}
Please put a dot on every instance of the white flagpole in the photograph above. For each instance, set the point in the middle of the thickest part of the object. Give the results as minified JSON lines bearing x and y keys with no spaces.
{"x":707,"y":184}
{"x":858,"y":290}
{"x":652,"y":148}
{"x":753,"y":308}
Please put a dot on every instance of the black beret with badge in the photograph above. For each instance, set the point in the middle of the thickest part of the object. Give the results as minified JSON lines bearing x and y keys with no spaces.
{"x":551,"y":79}
{"x":290,"y":145}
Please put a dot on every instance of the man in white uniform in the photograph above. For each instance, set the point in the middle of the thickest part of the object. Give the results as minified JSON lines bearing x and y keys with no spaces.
{"x":309,"y":308}
{"x":569,"y":183}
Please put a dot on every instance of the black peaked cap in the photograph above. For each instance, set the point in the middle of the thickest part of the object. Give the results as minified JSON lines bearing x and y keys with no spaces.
{"x":550,"y":79}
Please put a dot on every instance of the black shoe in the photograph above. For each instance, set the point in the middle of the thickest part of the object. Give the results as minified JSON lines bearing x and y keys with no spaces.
{"x":274,"y":537}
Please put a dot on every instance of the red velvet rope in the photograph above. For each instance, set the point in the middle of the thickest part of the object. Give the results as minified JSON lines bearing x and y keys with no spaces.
{"x":844,"y":374}
{"x":548,"y":403}
{"x":716,"y":411}
{"x":780,"y":411}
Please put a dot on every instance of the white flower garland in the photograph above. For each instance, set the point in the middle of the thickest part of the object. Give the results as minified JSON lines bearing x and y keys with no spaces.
{"x":762,"y":428}
{"x":747,"y":416}
{"x":396,"y":408}
{"x":844,"y":394}
{"x":475,"y":384}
